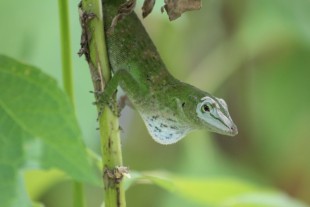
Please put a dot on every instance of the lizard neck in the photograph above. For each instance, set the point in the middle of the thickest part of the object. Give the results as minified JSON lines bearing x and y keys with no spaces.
{"x":165,"y":127}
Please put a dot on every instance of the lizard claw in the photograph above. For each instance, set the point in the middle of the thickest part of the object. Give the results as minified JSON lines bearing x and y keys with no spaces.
{"x":102,"y":101}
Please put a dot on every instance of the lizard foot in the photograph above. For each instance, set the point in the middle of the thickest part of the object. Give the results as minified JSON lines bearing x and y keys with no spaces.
{"x":103,"y":101}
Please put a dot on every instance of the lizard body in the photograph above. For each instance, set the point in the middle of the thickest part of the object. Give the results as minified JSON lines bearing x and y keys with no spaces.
{"x":170,"y":108}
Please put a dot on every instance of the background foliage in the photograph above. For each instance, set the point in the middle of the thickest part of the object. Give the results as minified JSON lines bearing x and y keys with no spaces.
{"x":253,"y":53}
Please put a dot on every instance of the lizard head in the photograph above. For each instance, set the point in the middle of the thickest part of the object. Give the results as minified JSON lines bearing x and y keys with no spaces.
{"x":213,"y":113}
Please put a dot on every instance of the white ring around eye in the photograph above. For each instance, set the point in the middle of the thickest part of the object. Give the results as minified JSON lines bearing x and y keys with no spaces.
{"x":222,"y":102}
{"x":207,"y":98}
{"x":210,"y":101}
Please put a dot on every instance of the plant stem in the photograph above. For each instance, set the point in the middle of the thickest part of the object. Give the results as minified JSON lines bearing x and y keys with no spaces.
{"x":78,"y":195}
{"x":94,"y":48}
{"x":65,"y":48}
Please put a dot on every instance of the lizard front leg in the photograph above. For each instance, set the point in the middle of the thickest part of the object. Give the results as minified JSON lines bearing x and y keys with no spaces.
{"x":124,"y":79}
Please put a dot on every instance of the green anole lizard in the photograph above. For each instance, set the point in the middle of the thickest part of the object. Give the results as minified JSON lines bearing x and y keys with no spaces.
{"x":170,"y":108}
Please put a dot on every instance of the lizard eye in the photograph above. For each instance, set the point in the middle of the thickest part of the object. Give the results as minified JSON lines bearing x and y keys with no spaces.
{"x":205,"y":108}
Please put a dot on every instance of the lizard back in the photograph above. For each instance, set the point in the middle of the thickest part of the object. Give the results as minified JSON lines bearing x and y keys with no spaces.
{"x":130,"y":48}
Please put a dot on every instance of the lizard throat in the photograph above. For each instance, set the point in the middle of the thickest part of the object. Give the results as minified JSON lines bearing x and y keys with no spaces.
{"x":165,"y":130}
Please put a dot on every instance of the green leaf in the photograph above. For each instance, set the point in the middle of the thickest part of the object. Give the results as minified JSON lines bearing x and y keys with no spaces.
{"x":35,"y":204}
{"x":261,"y":199}
{"x":39,"y":181}
{"x":38,"y":128}
{"x":12,"y":191}
{"x":219,"y":191}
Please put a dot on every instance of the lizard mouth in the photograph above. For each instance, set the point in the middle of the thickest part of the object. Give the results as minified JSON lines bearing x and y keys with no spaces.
{"x":233,"y":131}
{"x":225,"y":125}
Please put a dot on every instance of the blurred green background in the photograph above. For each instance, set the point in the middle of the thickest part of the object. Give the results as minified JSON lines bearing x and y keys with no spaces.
{"x":253,"y":53}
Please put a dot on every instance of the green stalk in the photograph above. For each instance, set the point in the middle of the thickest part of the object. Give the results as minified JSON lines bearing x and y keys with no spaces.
{"x":78,"y":194}
{"x":65,"y":48}
{"x":94,"y":48}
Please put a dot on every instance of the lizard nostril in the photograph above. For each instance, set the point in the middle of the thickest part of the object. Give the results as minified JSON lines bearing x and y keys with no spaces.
{"x":234,"y":129}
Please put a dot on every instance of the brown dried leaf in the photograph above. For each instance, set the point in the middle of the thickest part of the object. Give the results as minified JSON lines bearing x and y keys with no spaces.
{"x":175,"y":8}
{"x":124,"y":9}
{"x":147,"y":7}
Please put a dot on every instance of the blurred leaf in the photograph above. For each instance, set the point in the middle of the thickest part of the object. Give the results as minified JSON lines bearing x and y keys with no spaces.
{"x":218,"y":191}
{"x":12,"y":191}
{"x":36,"y":204}
{"x":39,"y":181}
{"x":275,"y":199}
{"x":37,"y":41}
{"x":38,"y":128}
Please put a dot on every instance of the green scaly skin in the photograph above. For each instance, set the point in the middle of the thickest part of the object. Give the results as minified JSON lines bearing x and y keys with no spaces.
{"x":167,"y":105}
